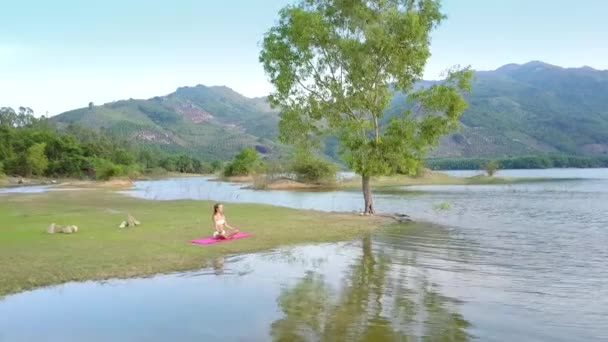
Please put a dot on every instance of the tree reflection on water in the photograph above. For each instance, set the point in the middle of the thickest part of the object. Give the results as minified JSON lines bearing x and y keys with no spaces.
{"x":377,"y":301}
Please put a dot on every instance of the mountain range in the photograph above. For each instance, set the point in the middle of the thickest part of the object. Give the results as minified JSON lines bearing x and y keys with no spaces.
{"x":517,"y":109}
{"x":207,"y":122}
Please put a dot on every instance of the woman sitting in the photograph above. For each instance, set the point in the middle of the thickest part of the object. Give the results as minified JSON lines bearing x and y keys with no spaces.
{"x":220,"y":224}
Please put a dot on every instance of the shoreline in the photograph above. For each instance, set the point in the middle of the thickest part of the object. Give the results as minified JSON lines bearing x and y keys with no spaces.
{"x":431,"y":177}
{"x":116,"y":182}
{"x":381,"y":182}
{"x":161,"y":244}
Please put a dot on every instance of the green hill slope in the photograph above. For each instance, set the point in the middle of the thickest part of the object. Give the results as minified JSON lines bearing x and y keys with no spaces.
{"x":534,"y":108}
{"x":530,"y":109}
{"x":209,"y":122}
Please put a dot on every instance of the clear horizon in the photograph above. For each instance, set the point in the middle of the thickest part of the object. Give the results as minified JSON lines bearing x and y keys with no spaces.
{"x":61,"y":55}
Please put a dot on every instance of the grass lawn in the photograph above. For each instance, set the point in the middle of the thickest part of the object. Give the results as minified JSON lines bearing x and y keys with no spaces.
{"x":31,"y":258}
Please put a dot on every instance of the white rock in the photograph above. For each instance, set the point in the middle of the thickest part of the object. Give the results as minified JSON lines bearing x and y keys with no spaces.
{"x":51,"y":228}
{"x":69,"y":229}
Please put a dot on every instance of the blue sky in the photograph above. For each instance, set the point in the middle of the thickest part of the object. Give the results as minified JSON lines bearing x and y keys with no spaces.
{"x":59,"y":55}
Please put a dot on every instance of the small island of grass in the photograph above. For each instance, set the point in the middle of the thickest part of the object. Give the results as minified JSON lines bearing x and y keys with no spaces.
{"x":263,"y":182}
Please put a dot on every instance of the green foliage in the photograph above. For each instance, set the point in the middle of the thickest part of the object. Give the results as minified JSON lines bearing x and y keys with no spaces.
{"x":442,"y":206}
{"x":335,"y":66}
{"x":276,"y":168}
{"x":491,"y":167}
{"x":418,"y":173}
{"x":210,"y":168}
{"x":309,"y":168}
{"x":246,"y":163}
{"x":525,"y":162}
{"x":149,"y":158}
{"x":123,"y":156}
{"x":184,"y":164}
{"x":133,"y":171}
{"x":105,"y":169}
{"x":32,"y":146}
{"x":216,"y":166}
{"x":36,"y":160}
{"x":66,"y":157}
{"x":156,"y":172}
{"x":1,"y":169}
{"x":9,"y":118}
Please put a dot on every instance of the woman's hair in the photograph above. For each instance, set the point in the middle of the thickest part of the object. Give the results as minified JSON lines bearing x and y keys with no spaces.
{"x":216,"y":207}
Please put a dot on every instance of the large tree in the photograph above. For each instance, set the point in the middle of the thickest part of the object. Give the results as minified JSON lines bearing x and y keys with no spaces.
{"x":335,"y":65}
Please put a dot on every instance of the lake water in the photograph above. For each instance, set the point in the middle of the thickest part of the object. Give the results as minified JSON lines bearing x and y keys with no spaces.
{"x":24,"y":189}
{"x":518,"y":262}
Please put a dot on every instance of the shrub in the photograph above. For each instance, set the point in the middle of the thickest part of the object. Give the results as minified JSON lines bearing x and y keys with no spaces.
{"x":133,"y":171}
{"x":491,"y":167}
{"x":105,"y":169}
{"x":421,"y":170}
{"x":312,"y":169}
{"x":36,"y":160}
{"x":217,"y":165}
{"x":442,"y":206}
{"x":246,"y":163}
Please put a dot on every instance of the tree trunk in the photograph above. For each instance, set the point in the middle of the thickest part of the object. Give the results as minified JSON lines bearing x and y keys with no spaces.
{"x":367,"y":196}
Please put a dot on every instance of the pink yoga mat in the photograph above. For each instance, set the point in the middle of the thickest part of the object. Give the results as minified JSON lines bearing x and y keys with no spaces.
{"x":210,"y":240}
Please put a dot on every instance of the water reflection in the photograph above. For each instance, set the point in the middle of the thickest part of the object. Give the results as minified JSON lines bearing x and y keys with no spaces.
{"x":218,"y":265}
{"x":375,"y":302}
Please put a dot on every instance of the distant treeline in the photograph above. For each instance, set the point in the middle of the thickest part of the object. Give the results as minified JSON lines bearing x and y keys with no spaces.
{"x":526,"y":162}
{"x":31,"y":146}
